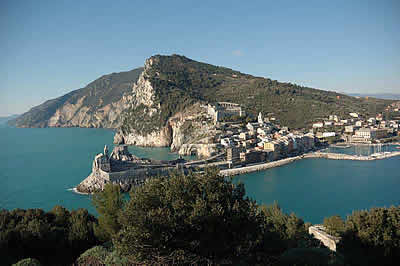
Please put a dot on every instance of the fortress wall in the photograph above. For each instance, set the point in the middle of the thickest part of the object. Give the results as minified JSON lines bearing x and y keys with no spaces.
{"x":138,"y":174}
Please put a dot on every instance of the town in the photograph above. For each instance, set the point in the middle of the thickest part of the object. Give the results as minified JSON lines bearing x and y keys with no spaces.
{"x":265,"y":140}
{"x":237,"y":143}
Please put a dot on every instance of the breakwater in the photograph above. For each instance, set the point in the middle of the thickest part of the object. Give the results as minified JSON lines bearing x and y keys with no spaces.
{"x":258,"y":167}
{"x":340,"y":156}
{"x":326,"y":155}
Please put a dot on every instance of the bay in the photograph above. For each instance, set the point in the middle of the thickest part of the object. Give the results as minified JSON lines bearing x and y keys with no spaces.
{"x":39,"y":166}
{"x":318,"y":188}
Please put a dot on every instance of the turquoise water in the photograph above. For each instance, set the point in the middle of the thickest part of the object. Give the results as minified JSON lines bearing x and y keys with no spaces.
{"x":39,"y":166}
{"x":317,"y":188}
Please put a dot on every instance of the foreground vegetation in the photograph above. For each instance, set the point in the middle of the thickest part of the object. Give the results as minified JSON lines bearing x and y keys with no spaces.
{"x":192,"y":219}
{"x":54,"y":237}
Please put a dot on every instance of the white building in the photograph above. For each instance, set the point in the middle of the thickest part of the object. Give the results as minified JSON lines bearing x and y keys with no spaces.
{"x":318,"y":125}
{"x":328,"y":134}
{"x":226,"y":142}
{"x":355,"y":115}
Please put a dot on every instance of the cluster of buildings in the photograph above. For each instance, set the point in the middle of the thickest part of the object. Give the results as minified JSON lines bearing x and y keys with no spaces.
{"x":355,"y":128}
{"x":261,"y":141}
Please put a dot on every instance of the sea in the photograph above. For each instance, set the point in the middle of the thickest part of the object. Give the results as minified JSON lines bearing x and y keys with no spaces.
{"x":40,"y":166}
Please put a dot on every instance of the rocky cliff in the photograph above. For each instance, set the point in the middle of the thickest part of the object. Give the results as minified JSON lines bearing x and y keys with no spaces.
{"x":99,"y":104}
{"x":189,"y":132}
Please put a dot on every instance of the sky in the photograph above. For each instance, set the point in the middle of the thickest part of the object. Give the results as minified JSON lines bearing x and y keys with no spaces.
{"x":49,"y":48}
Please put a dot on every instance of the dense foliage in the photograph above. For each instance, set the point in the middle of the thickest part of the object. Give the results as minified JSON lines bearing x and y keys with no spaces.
{"x":104,"y":90}
{"x":369,"y":237}
{"x":108,"y":203}
{"x":204,"y":218}
{"x":54,"y":238}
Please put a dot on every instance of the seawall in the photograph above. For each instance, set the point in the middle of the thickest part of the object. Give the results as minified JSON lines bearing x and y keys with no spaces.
{"x":258,"y":167}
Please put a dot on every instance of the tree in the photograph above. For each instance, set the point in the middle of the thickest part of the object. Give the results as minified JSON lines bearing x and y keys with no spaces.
{"x":108,"y":203}
{"x":194,"y":218}
{"x":372,"y":237}
{"x":334,"y":225}
{"x":54,"y":238}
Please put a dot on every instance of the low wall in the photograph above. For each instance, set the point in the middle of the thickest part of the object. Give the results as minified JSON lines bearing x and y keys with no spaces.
{"x":318,"y":231}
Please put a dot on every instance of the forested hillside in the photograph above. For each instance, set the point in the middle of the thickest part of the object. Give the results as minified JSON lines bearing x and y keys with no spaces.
{"x":178,"y":79}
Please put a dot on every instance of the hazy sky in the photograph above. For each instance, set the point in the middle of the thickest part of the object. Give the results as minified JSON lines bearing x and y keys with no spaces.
{"x":48,"y":48}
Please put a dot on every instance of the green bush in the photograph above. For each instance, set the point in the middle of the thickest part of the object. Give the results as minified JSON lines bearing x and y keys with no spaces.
{"x":197,"y":218}
{"x":51,"y":237}
{"x":334,"y":225}
{"x":108,"y":204}
{"x":372,"y":237}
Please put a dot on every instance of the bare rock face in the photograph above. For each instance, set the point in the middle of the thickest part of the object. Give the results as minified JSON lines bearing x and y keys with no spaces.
{"x":119,"y":138}
{"x":98,"y":177}
{"x":159,"y":138}
{"x":200,"y":150}
{"x":121,"y":153}
{"x":79,"y":115}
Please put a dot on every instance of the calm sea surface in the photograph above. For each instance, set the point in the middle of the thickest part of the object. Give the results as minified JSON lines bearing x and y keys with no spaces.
{"x":39,"y":166}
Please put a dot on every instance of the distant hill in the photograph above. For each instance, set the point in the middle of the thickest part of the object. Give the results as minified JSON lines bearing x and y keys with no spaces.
{"x":5,"y":119}
{"x":388,"y":96}
{"x":169,"y":84}
{"x":91,"y":106}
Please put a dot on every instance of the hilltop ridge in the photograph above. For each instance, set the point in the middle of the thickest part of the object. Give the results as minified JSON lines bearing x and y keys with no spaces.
{"x":168,"y":85}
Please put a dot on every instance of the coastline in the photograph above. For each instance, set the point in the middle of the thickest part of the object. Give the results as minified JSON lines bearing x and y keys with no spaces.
{"x":75,"y":190}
